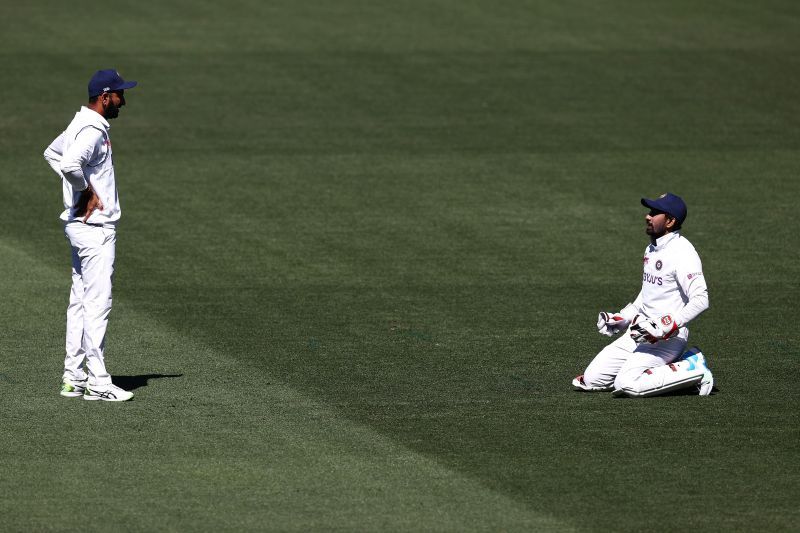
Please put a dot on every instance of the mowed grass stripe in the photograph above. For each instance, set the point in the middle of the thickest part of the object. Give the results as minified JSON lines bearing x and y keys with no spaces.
{"x":210,"y":443}
{"x":319,"y":318}
{"x":694,"y":98}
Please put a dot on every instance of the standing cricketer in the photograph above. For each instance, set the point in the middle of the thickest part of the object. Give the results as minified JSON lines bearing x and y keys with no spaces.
{"x":649,"y":358}
{"x":82,"y":157}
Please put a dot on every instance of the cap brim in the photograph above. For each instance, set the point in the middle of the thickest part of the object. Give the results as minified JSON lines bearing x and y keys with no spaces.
{"x":652,"y":204}
{"x":126,"y":85}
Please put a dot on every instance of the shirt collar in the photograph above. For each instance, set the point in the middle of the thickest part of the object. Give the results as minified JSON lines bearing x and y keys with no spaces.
{"x":95,"y":117}
{"x":664,"y":240}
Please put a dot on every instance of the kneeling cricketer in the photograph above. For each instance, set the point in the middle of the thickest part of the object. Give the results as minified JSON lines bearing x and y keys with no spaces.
{"x":650,"y":356}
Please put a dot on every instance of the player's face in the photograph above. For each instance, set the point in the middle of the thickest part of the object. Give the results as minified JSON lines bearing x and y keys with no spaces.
{"x":656,"y":223}
{"x":116,"y":100}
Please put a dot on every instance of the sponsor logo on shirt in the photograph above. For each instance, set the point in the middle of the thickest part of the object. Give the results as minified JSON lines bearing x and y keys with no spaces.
{"x":645,"y":260}
{"x":694,"y":275}
{"x":655,"y":280}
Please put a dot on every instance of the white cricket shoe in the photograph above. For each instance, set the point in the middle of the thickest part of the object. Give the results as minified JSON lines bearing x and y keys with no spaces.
{"x":107,"y":393}
{"x":580,"y":384}
{"x":72,"y":389}
{"x":706,"y":384}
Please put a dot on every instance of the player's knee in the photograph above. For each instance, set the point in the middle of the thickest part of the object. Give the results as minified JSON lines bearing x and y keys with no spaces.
{"x":629,"y":383}
{"x":595,"y":379}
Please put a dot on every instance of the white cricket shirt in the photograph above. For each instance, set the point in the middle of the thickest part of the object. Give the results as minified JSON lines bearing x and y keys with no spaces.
{"x":672,"y":282}
{"x":85,"y":145}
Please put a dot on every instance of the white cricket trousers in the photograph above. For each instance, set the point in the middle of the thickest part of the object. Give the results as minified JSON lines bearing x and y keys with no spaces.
{"x":93,"y":253}
{"x":623,"y":362}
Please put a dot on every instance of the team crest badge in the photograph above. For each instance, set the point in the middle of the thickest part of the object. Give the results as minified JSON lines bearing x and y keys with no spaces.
{"x":659,"y":264}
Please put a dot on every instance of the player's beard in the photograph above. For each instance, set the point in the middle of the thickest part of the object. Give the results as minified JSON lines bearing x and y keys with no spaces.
{"x":653,"y":233}
{"x":112,"y":111}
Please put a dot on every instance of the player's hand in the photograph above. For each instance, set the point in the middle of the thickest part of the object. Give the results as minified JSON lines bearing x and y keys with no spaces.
{"x":653,"y":330}
{"x":87,"y":203}
{"x":609,"y":324}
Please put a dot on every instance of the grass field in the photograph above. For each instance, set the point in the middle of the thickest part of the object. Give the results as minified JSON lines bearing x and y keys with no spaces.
{"x":362,"y":251}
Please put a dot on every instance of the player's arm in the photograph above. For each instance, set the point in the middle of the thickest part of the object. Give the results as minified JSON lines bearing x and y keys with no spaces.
{"x":630,"y":311}
{"x":78,"y":155}
{"x":53,"y":153}
{"x":693,"y":284}
{"x":86,"y":147}
{"x":690,"y":279}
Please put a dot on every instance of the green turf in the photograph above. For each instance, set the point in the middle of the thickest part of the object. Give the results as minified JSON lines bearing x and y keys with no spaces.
{"x":362,"y":251}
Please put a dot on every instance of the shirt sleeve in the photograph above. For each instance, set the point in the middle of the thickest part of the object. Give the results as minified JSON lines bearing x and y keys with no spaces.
{"x":630,"y":311}
{"x":80,"y":154}
{"x":690,"y":278}
{"x":53,"y":153}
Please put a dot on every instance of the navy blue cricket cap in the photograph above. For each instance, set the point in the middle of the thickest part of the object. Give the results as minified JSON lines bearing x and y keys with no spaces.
{"x":106,"y":81}
{"x":668,"y":203}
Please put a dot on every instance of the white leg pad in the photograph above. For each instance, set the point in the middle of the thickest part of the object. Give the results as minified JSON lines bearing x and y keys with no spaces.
{"x":659,"y":380}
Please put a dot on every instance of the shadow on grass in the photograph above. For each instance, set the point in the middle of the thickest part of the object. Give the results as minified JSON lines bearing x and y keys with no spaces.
{"x":135,"y":382}
{"x":688,"y":392}
{"x":679,"y":392}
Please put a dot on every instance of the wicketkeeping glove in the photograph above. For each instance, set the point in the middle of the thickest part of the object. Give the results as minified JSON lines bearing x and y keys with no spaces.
{"x":653,"y":330}
{"x":609,"y":324}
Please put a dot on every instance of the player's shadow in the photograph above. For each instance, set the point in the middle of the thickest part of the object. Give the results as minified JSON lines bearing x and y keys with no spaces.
{"x":688,"y":392}
{"x":135,"y":382}
{"x":679,"y":392}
